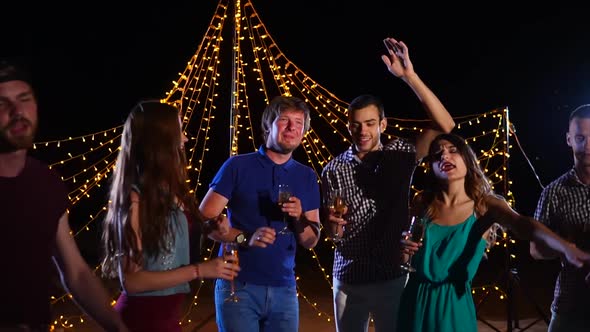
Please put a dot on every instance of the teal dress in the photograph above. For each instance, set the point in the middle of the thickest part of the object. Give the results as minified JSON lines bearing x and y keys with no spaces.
{"x":438,"y":295}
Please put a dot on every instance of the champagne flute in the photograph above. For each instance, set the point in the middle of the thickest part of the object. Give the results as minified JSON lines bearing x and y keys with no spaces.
{"x":284,"y":196}
{"x":338,"y":205}
{"x":231,"y":249}
{"x":414,"y":233}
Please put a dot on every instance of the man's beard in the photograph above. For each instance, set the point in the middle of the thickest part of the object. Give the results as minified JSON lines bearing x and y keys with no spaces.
{"x":8,"y":145}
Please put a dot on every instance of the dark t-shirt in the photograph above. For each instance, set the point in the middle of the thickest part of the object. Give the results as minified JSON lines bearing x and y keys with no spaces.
{"x":30,"y":207}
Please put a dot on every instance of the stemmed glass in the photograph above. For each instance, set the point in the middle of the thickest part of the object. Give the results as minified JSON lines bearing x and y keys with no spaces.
{"x":231,"y":249}
{"x":414,"y":233}
{"x":284,"y":196}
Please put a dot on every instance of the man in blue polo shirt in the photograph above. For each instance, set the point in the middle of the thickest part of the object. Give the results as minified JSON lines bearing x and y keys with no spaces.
{"x":248,"y":184}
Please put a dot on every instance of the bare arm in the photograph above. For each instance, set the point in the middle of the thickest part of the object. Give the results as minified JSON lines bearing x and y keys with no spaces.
{"x":86,"y":288}
{"x":212,"y":206}
{"x":540,"y":251}
{"x":528,"y":228}
{"x":399,"y":64}
{"x":308,"y":229}
{"x":139,"y":280}
{"x":543,"y":212}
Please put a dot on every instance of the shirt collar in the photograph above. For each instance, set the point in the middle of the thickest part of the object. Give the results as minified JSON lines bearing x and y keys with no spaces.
{"x":265,"y":161}
{"x":351,"y":153}
{"x":573,"y":177}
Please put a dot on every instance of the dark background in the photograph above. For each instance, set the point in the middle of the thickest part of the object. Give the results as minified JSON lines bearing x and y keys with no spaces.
{"x":93,"y":61}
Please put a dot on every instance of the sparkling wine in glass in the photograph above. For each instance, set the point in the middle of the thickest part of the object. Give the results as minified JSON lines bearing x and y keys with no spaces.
{"x":284,"y":196}
{"x":230,"y":250}
{"x":414,"y":233}
{"x":338,"y":205}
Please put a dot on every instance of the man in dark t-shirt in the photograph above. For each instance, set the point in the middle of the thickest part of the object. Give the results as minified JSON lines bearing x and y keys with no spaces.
{"x":34,"y":222}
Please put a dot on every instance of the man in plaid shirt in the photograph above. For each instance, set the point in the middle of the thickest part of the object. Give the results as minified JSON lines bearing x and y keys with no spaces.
{"x":564,"y":206}
{"x":374,"y":180}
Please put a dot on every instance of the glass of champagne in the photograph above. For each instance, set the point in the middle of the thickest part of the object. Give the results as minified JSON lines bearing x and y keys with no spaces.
{"x":338,"y":206}
{"x":414,"y":233}
{"x":230,"y":250}
{"x":284,"y":196}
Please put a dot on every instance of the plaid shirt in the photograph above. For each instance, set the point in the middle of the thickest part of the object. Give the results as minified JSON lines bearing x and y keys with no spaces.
{"x":564,"y":206}
{"x":376,"y":191}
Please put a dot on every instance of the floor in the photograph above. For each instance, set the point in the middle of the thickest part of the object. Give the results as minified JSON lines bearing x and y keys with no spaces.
{"x":527,"y":291}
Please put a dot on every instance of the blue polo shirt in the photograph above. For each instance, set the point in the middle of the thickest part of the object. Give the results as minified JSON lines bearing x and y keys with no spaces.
{"x":250,"y":183}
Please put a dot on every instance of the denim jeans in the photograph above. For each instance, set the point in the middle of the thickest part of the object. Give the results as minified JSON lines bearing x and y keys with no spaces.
{"x":563,"y":322}
{"x":260,"y":308}
{"x":354,"y":304}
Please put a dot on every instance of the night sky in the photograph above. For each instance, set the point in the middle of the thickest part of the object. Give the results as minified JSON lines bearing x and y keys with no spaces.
{"x":91,"y":64}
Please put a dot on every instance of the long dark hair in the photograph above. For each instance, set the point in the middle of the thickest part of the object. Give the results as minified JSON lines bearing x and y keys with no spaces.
{"x":477,"y":184}
{"x":152,"y":161}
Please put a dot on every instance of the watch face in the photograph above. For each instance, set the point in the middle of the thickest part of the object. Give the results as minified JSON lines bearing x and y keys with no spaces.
{"x":240,"y":238}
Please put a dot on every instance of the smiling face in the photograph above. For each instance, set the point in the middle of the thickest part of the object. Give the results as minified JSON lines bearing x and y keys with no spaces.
{"x":286,"y":132}
{"x":365,"y":127}
{"x":18,"y":116}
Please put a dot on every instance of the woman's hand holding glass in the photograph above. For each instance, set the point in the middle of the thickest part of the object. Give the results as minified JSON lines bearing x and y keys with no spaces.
{"x":411,"y":242}
{"x":220,"y":267}
{"x":230,"y":255}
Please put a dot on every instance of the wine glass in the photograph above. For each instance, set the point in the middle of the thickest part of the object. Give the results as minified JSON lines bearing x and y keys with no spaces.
{"x":284,"y":196}
{"x":414,"y":233}
{"x":231,"y":249}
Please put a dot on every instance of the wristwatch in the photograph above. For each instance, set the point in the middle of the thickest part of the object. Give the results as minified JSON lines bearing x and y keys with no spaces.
{"x":241,"y":240}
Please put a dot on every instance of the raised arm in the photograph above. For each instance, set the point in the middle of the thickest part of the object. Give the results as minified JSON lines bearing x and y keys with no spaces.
{"x":399,"y":64}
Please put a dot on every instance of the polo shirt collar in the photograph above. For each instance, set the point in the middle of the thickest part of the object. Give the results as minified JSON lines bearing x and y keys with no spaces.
{"x":267,"y":162}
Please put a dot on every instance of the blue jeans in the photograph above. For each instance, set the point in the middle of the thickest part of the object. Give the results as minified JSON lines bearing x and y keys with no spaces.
{"x":260,"y":308}
{"x":563,"y":322}
{"x":353,"y":304}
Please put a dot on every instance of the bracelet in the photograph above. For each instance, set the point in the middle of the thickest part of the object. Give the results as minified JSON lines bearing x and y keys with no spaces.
{"x":197,"y":274}
{"x":303,"y":222}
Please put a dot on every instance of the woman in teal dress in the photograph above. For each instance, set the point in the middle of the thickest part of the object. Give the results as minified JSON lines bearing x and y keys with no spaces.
{"x":460,"y":213}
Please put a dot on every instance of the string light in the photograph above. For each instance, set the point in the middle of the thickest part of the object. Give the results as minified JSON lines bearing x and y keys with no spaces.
{"x":260,"y":69}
